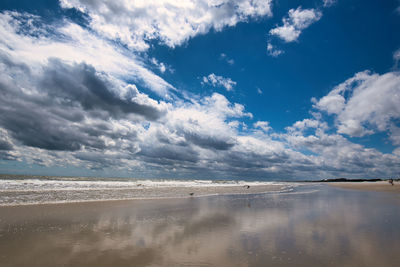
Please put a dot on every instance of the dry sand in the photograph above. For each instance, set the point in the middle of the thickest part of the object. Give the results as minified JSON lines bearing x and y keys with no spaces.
{"x":383,"y":186}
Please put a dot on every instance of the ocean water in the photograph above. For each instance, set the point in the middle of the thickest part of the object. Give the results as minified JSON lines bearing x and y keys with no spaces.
{"x":22,"y":190}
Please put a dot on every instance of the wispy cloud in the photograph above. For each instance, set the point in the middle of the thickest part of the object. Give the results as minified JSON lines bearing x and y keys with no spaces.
{"x":396,"y":58}
{"x":228,"y":60}
{"x":219,"y":81}
{"x":328,"y":3}
{"x":273,"y":51}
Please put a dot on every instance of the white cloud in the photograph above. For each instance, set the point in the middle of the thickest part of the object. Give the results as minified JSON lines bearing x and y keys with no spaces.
{"x":365,"y":103}
{"x":273,"y":51}
{"x":333,"y":154}
{"x":297,"y":20}
{"x":263,"y":125}
{"x":204,"y":122}
{"x":328,"y":3}
{"x":70,"y":42}
{"x":219,"y":81}
{"x":228,"y":60}
{"x":171,"y":22}
{"x":65,"y":86}
{"x":394,"y":135}
{"x":259,"y":91}
{"x":300,"y":126}
{"x":160,"y":65}
{"x":200,"y":137}
{"x":396,"y":58}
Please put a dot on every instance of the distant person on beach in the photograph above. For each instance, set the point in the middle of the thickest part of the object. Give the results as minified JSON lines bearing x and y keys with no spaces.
{"x":391,"y":181}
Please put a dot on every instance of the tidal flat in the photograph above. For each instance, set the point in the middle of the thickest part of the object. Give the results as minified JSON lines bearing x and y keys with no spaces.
{"x":312,"y":225}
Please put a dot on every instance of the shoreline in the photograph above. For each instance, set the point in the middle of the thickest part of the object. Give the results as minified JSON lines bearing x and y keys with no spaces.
{"x":381,"y":186}
{"x":154,"y":198}
{"x":158,"y":194}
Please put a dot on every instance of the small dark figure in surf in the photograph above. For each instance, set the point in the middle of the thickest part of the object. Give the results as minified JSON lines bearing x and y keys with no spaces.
{"x":391,"y":181}
{"x":247,"y":186}
{"x":191,"y":194}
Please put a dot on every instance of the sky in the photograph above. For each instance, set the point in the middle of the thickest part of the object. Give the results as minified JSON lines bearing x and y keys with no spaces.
{"x":206,"y":89}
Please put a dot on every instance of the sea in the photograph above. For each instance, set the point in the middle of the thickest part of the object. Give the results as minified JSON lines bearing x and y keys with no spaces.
{"x":28,"y":190}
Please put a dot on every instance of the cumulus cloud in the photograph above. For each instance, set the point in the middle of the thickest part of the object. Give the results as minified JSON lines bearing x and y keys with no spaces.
{"x":394,"y":134}
{"x":71,"y":43}
{"x":65,"y":107}
{"x":263,"y":125}
{"x":6,"y":146}
{"x":46,"y":123}
{"x":219,"y":81}
{"x":364,"y":104}
{"x":296,"y":21}
{"x":72,"y":114}
{"x":135,"y":23}
{"x":72,"y":97}
{"x":332,"y":155}
{"x":303,"y":125}
{"x":194,"y":122}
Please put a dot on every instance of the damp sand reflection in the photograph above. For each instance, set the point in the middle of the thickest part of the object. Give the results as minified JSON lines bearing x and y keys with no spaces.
{"x":313,"y":226}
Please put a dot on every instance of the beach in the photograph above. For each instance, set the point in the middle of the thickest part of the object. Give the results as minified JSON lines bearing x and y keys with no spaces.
{"x":193,"y":133}
{"x":381,"y":186}
{"x":309,"y":225}
{"x":21,"y":190}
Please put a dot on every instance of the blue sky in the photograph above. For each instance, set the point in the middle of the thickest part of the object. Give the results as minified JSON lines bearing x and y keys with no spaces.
{"x":244,"y":89}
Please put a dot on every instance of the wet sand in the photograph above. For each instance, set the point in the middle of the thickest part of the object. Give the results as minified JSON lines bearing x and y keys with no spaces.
{"x":314,"y":225}
{"x":383,"y":186}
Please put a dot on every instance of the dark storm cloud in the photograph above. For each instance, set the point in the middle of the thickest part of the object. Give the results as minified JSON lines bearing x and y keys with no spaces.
{"x":10,"y":64}
{"x":4,"y":155}
{"x":49,"y":111}
{"x":34,"y":132}
{"x":5,"y":148}
{"x":4,"y":145}
{"x":165,"y":138}
{"x":208,"y":142}
{"x":168,"y":154}
{"x":81,"y":84}
{"x":97,"y":160}
{"x":39,"y":126}
{"x":247,"y":160}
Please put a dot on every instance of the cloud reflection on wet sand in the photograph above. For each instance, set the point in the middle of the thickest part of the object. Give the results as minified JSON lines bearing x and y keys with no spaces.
{"x":328,"y":227}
